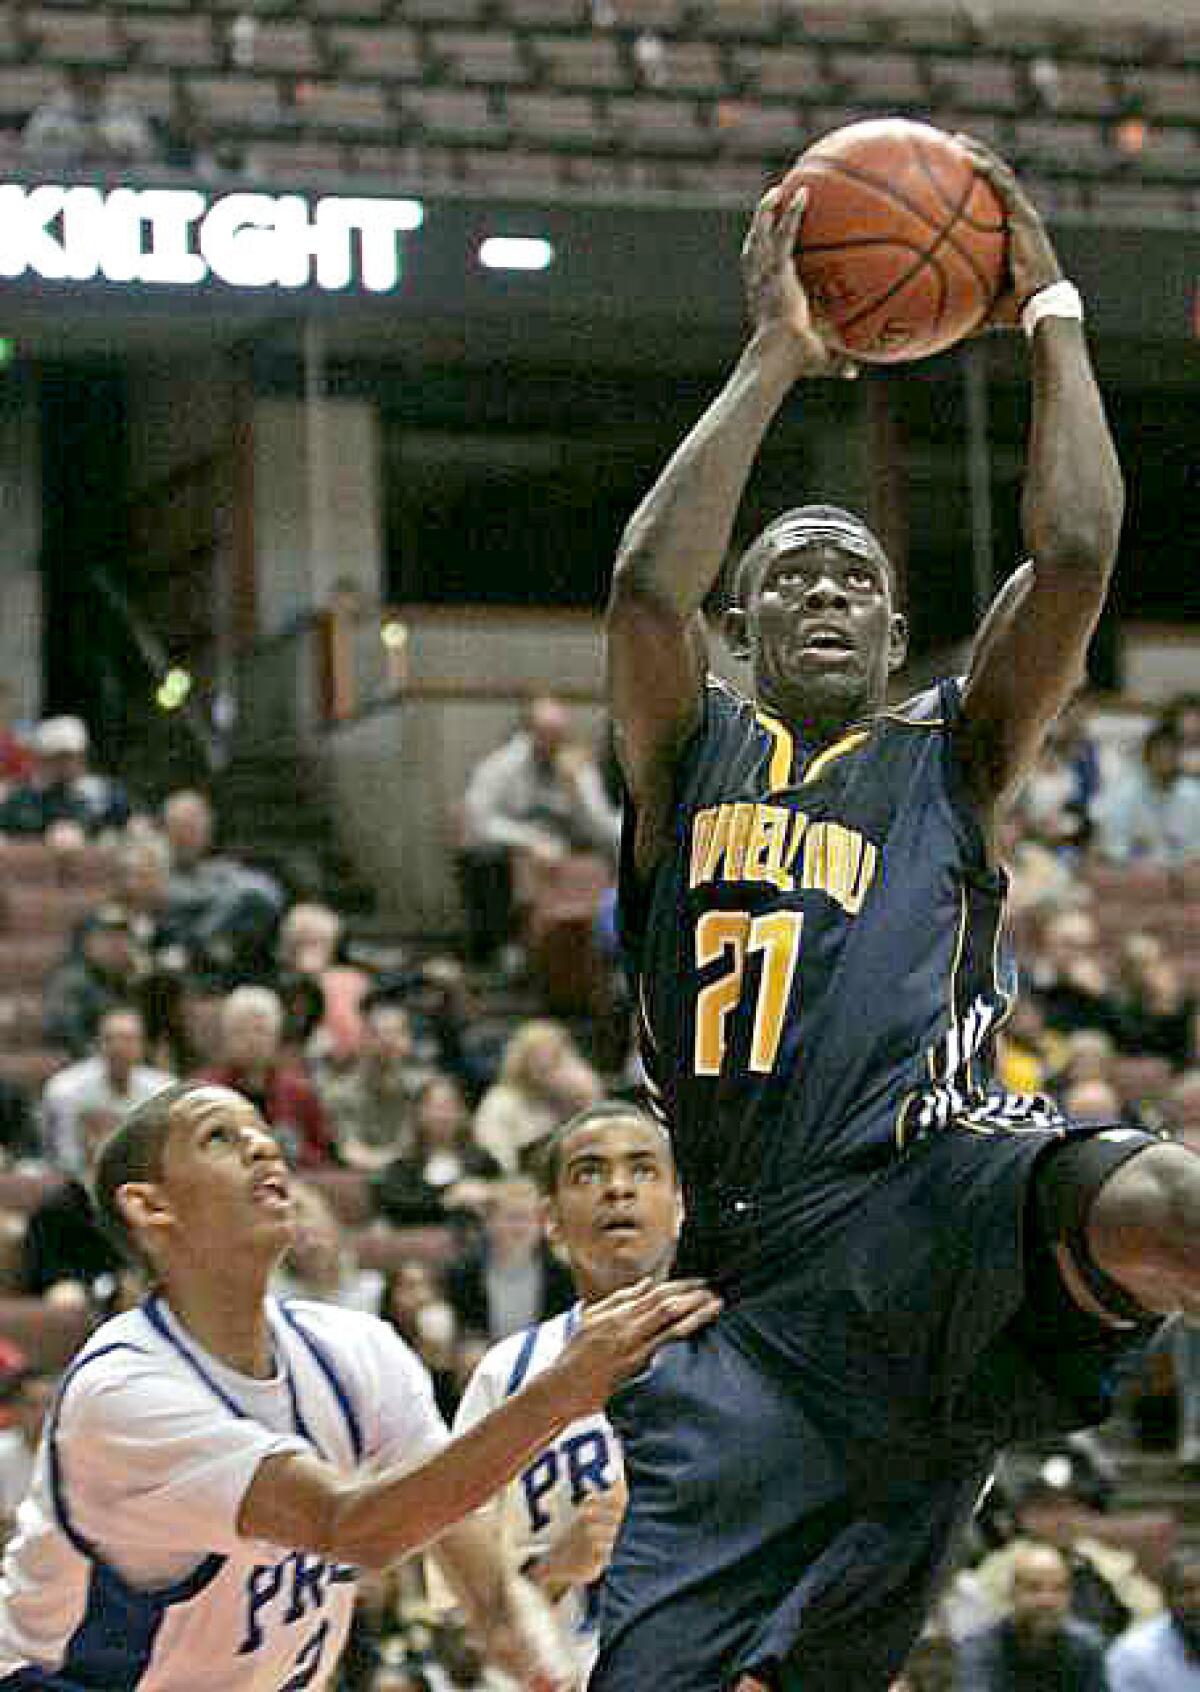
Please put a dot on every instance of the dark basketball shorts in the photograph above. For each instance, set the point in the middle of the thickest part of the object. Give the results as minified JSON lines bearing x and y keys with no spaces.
{"x":799,"y":1469}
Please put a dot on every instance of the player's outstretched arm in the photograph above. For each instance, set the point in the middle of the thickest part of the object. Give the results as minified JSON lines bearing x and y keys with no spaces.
{"x":1030,"y":653}
{"x":676,"y":541}
{"x":301,"y":1502}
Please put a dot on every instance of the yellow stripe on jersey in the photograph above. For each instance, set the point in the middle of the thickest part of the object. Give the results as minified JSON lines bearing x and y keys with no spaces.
{"x":783,"y":752}
{"x":839,"y":749}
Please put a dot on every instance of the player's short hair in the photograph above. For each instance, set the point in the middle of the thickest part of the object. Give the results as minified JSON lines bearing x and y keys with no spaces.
{"x":134,"y":1152}
{"x":553,"y":1148}
{"x":808,"y":524}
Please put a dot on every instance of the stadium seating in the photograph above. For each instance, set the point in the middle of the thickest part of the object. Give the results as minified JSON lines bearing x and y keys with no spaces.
{"x":666,"y":94}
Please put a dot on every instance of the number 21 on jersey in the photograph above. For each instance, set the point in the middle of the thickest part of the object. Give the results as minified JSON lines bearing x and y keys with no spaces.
{"x":731,"y":938}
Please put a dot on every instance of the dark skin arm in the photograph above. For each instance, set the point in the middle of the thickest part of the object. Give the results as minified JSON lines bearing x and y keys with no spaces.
{"x":1030,"y":651}
{"x":675,"y":544}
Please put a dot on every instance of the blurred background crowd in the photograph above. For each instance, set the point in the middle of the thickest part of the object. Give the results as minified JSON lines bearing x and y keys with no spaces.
{"x":412,"y":1087}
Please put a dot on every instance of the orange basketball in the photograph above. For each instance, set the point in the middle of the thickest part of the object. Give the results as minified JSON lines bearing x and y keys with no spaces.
{"x":903,"y":245}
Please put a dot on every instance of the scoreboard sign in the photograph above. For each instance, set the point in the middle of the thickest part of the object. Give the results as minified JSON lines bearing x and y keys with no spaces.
{"x":189,"y":238}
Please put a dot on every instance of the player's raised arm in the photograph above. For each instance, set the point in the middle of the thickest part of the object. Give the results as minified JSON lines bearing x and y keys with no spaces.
{"x":676,"y":541}
{"x":371,"y":1520}
{"x":1030,"y":652}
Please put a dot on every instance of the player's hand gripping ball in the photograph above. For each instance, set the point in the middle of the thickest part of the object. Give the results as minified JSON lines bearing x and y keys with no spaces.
{"x":903,"y":244}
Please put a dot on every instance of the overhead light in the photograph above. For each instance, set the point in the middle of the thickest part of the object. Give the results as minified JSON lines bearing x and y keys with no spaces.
{"x":516,"y":252}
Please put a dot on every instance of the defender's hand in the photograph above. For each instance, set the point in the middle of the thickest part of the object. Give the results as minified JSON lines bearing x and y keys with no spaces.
{"x":774,"y":295}
{"x":1032,"y":261}
{"x":618,"y":1335}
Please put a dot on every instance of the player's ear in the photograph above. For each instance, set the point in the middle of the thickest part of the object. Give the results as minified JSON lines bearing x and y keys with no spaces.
{"x":897,"y":641}
{"x":737,"y":632}
{"x":143,"y":1205}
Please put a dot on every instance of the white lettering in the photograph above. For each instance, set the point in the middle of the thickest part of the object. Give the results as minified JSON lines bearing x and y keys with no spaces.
{"x":182,"y":238}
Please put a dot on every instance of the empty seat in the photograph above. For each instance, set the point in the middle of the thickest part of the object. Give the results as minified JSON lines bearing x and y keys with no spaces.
{"x":581,"y":61}
{"x":48,"y":910}
{"x":26,"y":961}
{"x":449,"y":12}
{"x":182,"y":43}
{"x":738,"y":20}
{"x":285,"y":45}
{"x":539,"y":13}
{"x":23,"y":1190}
{"x":1166,"y":93}
{"x":296,"y":159}
{"x":1141,"y":1080}
{"x":481,"y":56}
{"x":385,"y":1248}
{"x":749,"y":128}
{"x":557,"y":117}
{"x":239,"y":102}
{"x":75,"y":38}
{"x":692,"y":67}
{"x":1083,"y":88}
{"x":148,"y":92}
{"x":521,"y":168}
{"x":347,"y":1191}
{"x":389,"y":52}
{"x":882,"y":80}
{"x":453,"y":114}
{"x":796,"y":72}
{"x":366,"y":11}
{"x":672,"y":125}
{"x":48,"y":1334}
{"x":32,"y":1066}
{"x":344,"y":106}
{"x":978,"y":79}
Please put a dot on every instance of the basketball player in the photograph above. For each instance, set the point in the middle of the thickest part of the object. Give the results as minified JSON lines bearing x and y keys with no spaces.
{"x":916,"y":1268}
{"x":217,"y":1465}
{"x":613,"y":1210}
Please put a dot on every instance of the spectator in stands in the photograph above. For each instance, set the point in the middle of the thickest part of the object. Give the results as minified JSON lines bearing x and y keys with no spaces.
{"x":1182,"y":716}
{"x":1181,"y":1107}
{"x":64,"y":801}
{"x":544,"y":1079}
{"x":414,"y":1303}
{"x":1039,"y":1644}
{"x":253,"y":1064}
{"x":108,"y":1083}
{"x":446,"y":1177}
{"x":226,"y":913}
{"x":86,"y":123}
{"x":1151,"y":811}
{"x":67,"y":1257}
{"x":16,"y":759}
{"x":321,"y":1261}
{"x":530,"y":802}
{"x":512,"y":1279}
{"x":447,"y":1030}
{"x":1072,"y":979}
{"x":19,"y":1138}
{"x":107,"y":971}
{"x":1164,"y":1655}
{"x":373,"y":1107}
{"x":1055,"y":803}
{"x":309,"y":951}
{"x":25,"y":1395}
{"x":1105,"y":1586}
{"x":1157,"y":1015}
{"x":1028,"y":1054}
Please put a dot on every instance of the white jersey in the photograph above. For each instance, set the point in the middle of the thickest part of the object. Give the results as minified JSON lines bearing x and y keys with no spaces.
{"x":127,"y":1570}
{"x":538,"y":1506}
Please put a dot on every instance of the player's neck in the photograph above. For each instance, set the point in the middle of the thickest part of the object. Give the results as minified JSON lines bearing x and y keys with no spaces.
{"x":228,"y":1317}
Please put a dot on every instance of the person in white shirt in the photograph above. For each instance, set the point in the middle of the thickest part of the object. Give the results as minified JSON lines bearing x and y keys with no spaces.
{"x":613,"y":1209}
{"x":105,"y":1085}
{"x":1163,"y":1655}
{"x":218,"y":1465}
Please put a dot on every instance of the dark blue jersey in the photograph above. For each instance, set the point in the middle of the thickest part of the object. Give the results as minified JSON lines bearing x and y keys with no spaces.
{"x":819,"y":963}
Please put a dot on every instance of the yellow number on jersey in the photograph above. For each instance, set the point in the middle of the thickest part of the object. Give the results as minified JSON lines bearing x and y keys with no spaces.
{"x":733,"y":935}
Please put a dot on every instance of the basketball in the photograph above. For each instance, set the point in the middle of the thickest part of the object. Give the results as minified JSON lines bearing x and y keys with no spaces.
{"x":903,"y":244}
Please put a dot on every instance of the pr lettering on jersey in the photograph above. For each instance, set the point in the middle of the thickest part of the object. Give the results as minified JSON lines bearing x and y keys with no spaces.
{"x":744,"y":841}
{"x":285,"y":1592}
{"x":583,"y":1461}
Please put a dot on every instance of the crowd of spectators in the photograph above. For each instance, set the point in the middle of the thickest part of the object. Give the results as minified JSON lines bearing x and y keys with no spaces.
{"x":414,"y":1119}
